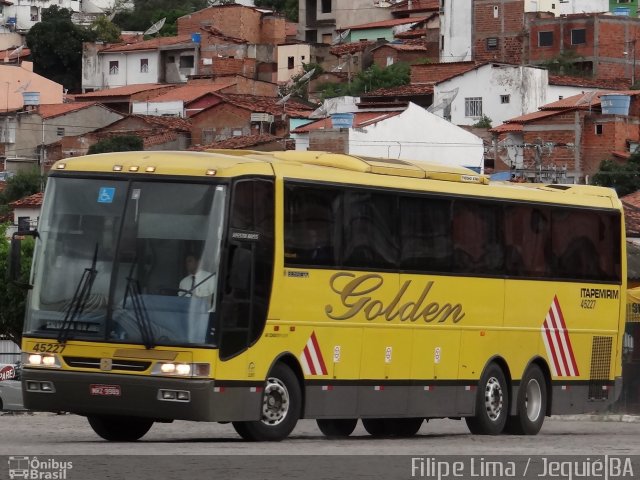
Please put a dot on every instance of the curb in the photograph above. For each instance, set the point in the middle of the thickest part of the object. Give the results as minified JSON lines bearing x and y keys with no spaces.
{"x":599,"y":418}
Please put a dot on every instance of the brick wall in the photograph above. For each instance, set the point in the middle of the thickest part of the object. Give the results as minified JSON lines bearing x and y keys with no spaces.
{"x":336,"y":141}
{"x":430,"y":73}
{"x":273,"y":30}
{"x":224,"y":118}
{"x":229,"y":66}
{"x":381,"y":54}
{"x":616,"y":130}
{"x":232,"y":20}
{"x":501,"y":19}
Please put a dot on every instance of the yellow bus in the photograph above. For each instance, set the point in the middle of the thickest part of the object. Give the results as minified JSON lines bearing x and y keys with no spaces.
{"x":261,"y":288}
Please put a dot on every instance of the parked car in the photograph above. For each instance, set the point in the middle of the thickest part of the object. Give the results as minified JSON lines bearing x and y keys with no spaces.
{"x":10,"y":388}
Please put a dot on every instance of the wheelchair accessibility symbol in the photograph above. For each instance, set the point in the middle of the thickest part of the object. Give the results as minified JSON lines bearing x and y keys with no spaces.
{"x":106,"y":195}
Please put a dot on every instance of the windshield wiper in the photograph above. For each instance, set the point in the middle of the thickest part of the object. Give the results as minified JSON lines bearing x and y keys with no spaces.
{"x":79,"y":299}
{"x":139,"y":309}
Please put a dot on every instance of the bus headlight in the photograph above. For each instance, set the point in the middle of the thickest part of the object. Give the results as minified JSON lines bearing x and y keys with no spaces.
{"x":182,"y":369}
{"x":47,"y":360}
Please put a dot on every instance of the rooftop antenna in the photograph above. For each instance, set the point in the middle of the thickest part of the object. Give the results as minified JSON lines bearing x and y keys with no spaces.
{"x":15,"y":53}
{"x":156,"y":27}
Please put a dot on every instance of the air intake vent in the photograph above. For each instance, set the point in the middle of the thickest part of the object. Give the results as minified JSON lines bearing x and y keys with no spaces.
{"x":600,"y":368}
{"x":123,"y":365}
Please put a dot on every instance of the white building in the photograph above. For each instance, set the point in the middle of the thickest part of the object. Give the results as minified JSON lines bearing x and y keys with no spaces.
{"x":567,"y":7}
{"x":456,"y":31}
{"x":410,"y":134}
{"x":159,"y":60}
{"x":21,"y":15}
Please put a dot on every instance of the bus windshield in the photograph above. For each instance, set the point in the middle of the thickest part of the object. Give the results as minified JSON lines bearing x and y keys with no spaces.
{"x":131,"y":262}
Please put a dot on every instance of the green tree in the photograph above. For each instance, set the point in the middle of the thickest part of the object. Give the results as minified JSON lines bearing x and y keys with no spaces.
{"x":122,"y":143}
{"x":484,"y":122}
{"x":289,"y":8}
{"x":106,"y":31}
{"x":568,"y":62}
{"x":21,"y":185}
{"x":146,"y":12}
{"x":624,"y":178}
{"x":12,"y":297}
{"x":56,"y":47}
{"x":369,"y":80}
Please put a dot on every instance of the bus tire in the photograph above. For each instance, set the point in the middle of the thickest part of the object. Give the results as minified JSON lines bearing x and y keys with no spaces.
{"x":492,"y":403}
{"x":531,"y":404}
{"x":338,"y":427}
{"x":377,"y":427}
{"x":281,"y":408}
{"x":404,"y":427}
{"x":116,"y":428}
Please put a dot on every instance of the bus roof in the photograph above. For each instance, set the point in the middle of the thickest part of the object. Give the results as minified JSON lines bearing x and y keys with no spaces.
{"x":335,"y":167}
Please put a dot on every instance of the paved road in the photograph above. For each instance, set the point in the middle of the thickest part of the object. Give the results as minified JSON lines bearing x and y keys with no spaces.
{"x":219,"y":448}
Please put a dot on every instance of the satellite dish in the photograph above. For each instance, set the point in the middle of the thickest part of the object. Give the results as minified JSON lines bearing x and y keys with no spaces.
{"x":155,"y":28}
{"x":23,"y":88}
{"x":307,"y":75}
{"x":341,"y":37}
{"x":284,"y":99}
{"x":446,"y":100}
{"x":17,"y":51}
{"x":339,"y":68}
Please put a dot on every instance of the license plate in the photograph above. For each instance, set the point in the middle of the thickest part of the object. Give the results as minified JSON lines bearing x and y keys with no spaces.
{"x":105,"y":390}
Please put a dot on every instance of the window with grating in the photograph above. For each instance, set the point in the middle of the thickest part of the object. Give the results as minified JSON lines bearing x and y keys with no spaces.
{"x":600,"y":368}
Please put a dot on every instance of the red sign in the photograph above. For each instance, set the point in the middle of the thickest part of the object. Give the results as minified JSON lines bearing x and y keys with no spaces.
{"x":7,"y":372}
{"x":105,"y":390}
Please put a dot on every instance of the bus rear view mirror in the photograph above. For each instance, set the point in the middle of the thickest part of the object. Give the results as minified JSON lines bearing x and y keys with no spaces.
{"x":15,"y":257}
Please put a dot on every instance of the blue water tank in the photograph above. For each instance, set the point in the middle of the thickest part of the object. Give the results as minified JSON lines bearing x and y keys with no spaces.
{"x":615,"y":104}
{"x":195,"y":37}
{"x":342,"y":120}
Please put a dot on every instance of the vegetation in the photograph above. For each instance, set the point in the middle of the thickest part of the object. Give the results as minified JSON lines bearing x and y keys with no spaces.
{"x":122,"y":143}
{"x":105,"y":30}
{"x":568,"y":62}
{"x":289,"y":8}
{"x":371,"y":79}
{"x":19,"y":186}
{"x":299,"y":88}
{"x":624,"y":178}
{"x":56,"y":47}
{"x":484,"y":122}
{"x":12,"y":297}
{"x":146,"y":12}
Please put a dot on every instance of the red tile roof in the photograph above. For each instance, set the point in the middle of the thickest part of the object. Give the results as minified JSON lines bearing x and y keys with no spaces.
{"x":610,"y":84}
{"x":240,"y":142}
{"x":55,"y":110}
{"x":401,"y":91}
{"x":152,"y":44}
{"x":31,"y":201}
{"x":360,"y":119}
{"x":6,"y":55}
{"x":350,"y":48}
{"x":384,"y":23}
{"x":264,"y":104}
{"x":439,"y":72}
{"x":632,"y":199}
{"x":508,"y":128}
{"x":416,"y":6}
{"x":413,"y":33}
{"x":402,"y":47}
{"x":189,"y":93}
{"x":587,"y":100}
{"x":167,"y":123}
{"x":124,"y":91}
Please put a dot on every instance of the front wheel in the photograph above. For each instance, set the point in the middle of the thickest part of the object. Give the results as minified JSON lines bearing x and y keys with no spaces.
{"x":492,"y":403}
{"x":531,"y":404}
{"x":340,"y":427}
{"x":120,"y":429}
{"x":281,"y":408}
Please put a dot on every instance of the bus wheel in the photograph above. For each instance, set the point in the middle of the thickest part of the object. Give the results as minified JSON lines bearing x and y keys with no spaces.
{"x":119,"y":429}
{"x":531,"y":404}
{"x":404,"y":427}
{"x":378,"y":427}
{"x":281,"y":408}
{"x":492,"y":403}
{"x":340,"y":427}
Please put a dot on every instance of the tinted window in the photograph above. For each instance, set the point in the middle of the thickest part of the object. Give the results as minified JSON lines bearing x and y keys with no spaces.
{"x":313,"y":221}
{"x":477,"y":238}
{"x":425,"y":234}
{"x":585,"y":245}
{"x":527,"y":233}
{"x":369,"y":227}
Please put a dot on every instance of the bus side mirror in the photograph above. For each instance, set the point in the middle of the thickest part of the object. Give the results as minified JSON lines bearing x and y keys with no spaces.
{"x":15,"y":258}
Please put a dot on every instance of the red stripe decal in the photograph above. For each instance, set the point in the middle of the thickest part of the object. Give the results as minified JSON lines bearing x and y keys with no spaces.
{"x":566,"y":336}
{"x":307,"y":355}
{"x":318,"y":353}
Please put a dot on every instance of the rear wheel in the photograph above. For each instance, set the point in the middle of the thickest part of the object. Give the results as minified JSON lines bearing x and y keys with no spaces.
{"x":392,"y":427}
{"x":376,"y":426}
{"x":531,"y":404}
{"x":281,"y":408}
{"x":120,"y":429}
{"x":341,"y":427}
{"x":492,"y":403}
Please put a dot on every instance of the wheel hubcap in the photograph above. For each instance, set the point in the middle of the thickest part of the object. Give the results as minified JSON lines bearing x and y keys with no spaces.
{"x":493,"y":400}
{"x":275,"y":402}
{"x":533,"y":400}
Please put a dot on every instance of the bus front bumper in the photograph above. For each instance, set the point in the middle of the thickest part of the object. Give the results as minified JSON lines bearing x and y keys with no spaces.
{"x":159,"y":398}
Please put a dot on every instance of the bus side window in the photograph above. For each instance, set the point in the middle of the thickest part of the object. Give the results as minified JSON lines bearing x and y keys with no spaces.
{"x":527,"y":242}
{"x":575,"y":235}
